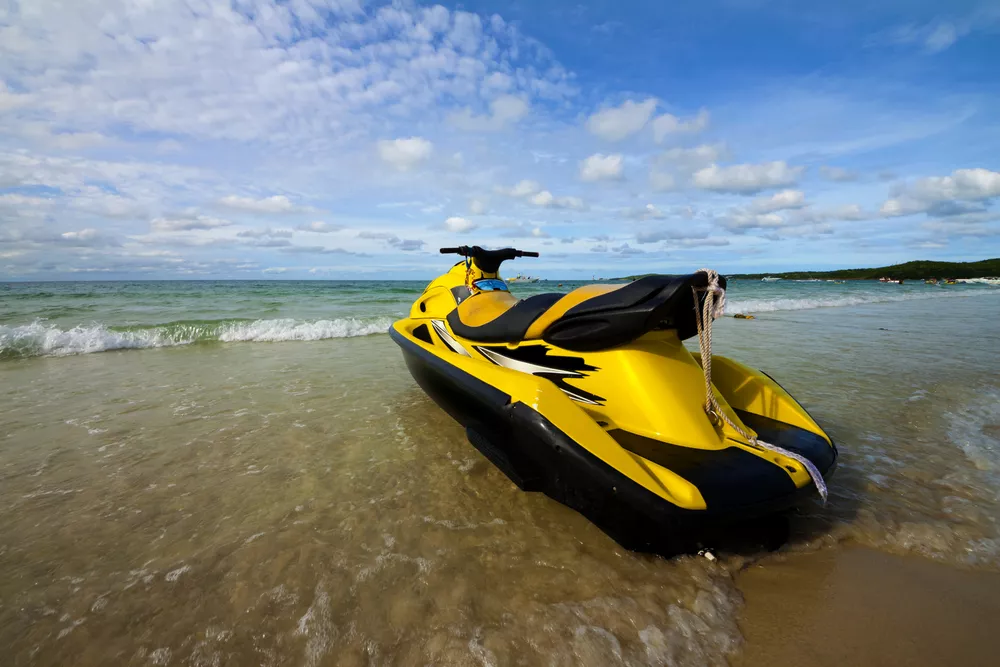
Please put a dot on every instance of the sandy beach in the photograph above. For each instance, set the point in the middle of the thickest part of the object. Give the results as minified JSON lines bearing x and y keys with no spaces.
{"x":850,"y":605}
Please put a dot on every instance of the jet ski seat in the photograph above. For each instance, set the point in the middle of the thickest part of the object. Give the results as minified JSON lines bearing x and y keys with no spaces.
{"x":512,"y":323}
{"x":594,"y":317}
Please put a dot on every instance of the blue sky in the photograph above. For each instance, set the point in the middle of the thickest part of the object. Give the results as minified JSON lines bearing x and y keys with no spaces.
{"x":344,"y":138}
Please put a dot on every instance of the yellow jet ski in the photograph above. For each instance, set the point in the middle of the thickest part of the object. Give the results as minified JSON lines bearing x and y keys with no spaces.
{"x":591,"y":398}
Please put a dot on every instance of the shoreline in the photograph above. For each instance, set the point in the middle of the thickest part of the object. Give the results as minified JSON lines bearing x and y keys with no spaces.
{"x":853,"y":605}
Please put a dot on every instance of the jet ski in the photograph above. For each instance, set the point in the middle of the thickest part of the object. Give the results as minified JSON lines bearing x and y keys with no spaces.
{"x":592,"y":398}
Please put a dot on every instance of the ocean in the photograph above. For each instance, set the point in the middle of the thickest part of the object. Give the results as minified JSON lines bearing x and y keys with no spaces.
{"x":213,"y":473}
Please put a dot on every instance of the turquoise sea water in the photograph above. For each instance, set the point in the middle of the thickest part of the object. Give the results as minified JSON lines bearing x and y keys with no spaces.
{"x":263,"y":483}
{"x":56,"y":318}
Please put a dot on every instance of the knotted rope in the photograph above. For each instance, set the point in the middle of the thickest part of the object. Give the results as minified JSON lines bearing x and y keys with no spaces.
{"x":713,"y":308}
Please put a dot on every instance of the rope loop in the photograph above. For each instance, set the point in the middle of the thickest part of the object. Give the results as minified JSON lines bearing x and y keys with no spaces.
{"x":713,"y":307}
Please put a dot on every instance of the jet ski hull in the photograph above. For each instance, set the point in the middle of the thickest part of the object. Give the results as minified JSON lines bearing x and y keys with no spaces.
{"x":537,"y":455}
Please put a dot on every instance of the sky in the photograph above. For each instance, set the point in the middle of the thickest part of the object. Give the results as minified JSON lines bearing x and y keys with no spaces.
{"x":335,"y":139}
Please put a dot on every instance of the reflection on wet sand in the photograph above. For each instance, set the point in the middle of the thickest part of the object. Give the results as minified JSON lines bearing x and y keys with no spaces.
{"x":228,"y":517}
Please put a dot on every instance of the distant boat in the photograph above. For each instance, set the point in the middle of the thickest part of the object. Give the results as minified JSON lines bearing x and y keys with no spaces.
{"x":522,"y":279}
{"x":769,"y":279}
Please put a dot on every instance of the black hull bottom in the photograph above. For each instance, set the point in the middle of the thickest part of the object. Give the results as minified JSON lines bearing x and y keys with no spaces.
{"x":537,"y":456}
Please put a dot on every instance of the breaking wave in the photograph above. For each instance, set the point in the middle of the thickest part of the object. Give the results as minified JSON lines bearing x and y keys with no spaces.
{"x":772,"y":304}
{"x":42,"y":339}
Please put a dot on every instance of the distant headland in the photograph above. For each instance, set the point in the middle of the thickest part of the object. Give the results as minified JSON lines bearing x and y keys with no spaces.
{"x":916,"y":270}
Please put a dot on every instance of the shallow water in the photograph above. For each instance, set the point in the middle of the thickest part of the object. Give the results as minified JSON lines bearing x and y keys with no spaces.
{"x":305,"y":503}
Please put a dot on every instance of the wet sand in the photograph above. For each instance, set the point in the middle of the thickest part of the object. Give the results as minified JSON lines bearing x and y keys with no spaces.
{"x":856,"y":606}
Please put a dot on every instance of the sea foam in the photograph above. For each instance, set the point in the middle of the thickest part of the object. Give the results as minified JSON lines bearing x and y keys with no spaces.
{"x":43,"y":339}
{"x":769,"y":305}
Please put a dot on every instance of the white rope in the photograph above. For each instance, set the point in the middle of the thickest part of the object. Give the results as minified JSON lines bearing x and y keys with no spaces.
{"x":713,"y":308}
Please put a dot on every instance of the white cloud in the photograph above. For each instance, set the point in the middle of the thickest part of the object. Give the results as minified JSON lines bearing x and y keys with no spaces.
{"x":546,"y":199}
{"x":187,"y":223}
{"x":504,"y":110}
{"x":543,"y":198}
{"x":41,"y":133}
{"x":671,"y":233}
{"x":661,"y":181}
{"x":838,"y":174}
{"x":697,"y":242}
{"x":406,"y":245}
{"x":15,"y":200}
{"x":405,"y":154}
{"x":281,"y":71}
{"x":10,"y":100}
{"x":962,"y":184}
{"x":936,"y":36}
{"x":82,"y":235}
{"x":943,"y":195}
{"x":106,"y":204}
{"x":941,"y":37}
{"x":169,"y":146}
{"x":320,"y":227}
{"x":694,"y":157}
{"x":599,"y":167}
{"x":746,"y":178}
{"x":796,"y":217}
{"x":974,"y":227}
{"x":626,"y":249}
{"x":647,"y":212}
{"x":739,"y":220}
{"x":532,"y":192}
{"x":903,"y":206}
{"x":668,"y":124}
{"x":814,"y":215}
{"x":523,"y":231}
{"x":779,"y":201}
{"x":272,"y":204}
{"x":498,"y":81}
{"x":616,"y":123}
{"x":266,"y":232}
{"x":459,"y":225}
{"x":523,"y":188}
{"x":477,"y":206}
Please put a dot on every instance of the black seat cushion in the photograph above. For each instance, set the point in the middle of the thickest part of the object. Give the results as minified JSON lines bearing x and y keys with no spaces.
{"x":511,"y":325}
{"x":621,"y":316}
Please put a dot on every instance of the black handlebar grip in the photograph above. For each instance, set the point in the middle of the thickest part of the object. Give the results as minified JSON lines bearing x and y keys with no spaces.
{"x":526,"y":253}
{"x":449,"y":251}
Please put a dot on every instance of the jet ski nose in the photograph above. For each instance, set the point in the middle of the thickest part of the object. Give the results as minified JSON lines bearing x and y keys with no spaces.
{"x":728,"y":479}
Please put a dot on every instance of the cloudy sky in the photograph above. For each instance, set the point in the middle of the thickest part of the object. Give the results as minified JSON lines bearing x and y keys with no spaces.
{"x":348,"y":138}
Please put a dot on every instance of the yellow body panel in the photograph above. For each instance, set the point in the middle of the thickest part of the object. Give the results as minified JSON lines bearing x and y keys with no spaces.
{"x":752,"y":391}
{"x":485,"y":307}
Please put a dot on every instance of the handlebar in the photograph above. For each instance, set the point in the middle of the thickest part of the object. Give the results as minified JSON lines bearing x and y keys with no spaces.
{"x":487,"y":260}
